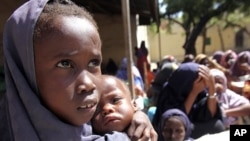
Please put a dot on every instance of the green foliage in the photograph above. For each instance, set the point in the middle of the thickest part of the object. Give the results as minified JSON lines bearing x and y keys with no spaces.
{"x":195,"y":15}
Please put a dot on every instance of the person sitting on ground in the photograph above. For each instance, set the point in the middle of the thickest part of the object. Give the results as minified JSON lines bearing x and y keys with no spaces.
{"x":241,"y":66}
{"x":228,"y":59}
{"x":116,"y":107}
{"x":227,"y":98}
{"x":175,"y":126}
{"x":240,"y":72}
{"x":191,"y":89}
{"x":217,"y":56}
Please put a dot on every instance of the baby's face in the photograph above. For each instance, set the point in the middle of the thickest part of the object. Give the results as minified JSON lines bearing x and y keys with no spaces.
{"x":115,"y":109}
{"x":66,"y":67}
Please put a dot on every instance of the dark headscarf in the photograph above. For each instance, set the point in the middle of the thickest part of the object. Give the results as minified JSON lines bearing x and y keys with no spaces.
{"x":182,"y":116}
{"x":177,"y":90}
{"x":23,"y":116}
{"x":179,"y":85}
{"x":160,"y":79}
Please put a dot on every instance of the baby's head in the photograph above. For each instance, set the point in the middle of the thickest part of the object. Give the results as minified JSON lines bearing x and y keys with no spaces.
{"x":116,"y":108}
{"x":67,"y":54}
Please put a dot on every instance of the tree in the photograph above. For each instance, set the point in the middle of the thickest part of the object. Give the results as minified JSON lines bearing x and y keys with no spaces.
{"x":196,"y":14}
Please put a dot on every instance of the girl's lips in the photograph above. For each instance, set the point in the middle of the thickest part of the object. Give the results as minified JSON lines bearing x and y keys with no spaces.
{"x":88,"y":103}
{"x":87,"y":106}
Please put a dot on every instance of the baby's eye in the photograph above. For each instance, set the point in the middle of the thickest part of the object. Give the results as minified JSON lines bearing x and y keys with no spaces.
{"x":65,"y":64}
{"x":116,"y":100}
{"x":94,"y":63}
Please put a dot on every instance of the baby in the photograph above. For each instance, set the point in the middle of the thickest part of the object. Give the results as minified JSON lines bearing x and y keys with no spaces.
{"x":116,"y":108}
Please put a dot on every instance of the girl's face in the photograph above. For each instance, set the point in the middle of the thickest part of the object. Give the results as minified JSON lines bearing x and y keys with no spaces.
{"x":66,"y":64}
{"x":115,"y":109}
{"x":173,"y":130}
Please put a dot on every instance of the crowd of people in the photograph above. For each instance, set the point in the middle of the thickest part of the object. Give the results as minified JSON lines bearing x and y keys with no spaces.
{"x":55,"y":89}
{"x":213,"y":92}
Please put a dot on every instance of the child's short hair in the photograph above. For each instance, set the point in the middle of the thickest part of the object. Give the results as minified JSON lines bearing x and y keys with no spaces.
{"x":53,"y":9}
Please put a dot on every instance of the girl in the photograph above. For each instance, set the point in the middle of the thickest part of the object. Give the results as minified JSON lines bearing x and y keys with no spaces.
{"x":176,"y":126}
{"x":52,"y":53}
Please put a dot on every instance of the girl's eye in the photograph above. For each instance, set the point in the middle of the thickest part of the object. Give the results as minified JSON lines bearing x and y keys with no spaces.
{"x":65,"y":64}
{"x":94,"y":63}
{"x":179,"y":131}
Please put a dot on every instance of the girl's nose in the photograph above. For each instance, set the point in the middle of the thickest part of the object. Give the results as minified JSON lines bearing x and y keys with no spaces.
{"x":173,"y":135}
{"x":86,"y":83}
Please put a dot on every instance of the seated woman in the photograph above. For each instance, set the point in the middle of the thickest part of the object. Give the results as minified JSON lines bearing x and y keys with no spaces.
{"x":241,"y":66}
{"x":175,"y":125}
{"x":191,"y":89}
{"x":227,"y":98}
{"x":217,"y":56}
{"x":240,"y":72}
{"x":228,"y":59}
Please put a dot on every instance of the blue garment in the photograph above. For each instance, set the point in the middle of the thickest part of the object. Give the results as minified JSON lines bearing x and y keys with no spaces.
{"x":122,"y":73}
{"x":151,"y":112}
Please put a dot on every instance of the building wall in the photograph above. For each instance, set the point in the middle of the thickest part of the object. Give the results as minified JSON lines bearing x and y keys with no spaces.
{"x":112,"y":35}
{"x":167,"y":43}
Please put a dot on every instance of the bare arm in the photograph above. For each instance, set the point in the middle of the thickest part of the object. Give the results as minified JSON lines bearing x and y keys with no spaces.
{"x":192,"y":95}
{"x":212,"y":100}
{"x":243,"y":110}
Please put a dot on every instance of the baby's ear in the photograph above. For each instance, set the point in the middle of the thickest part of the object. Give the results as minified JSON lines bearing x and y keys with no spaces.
{"x":135,"y":105}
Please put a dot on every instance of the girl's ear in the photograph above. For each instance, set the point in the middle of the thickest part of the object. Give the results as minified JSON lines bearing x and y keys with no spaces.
{"x":136,"y":108}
